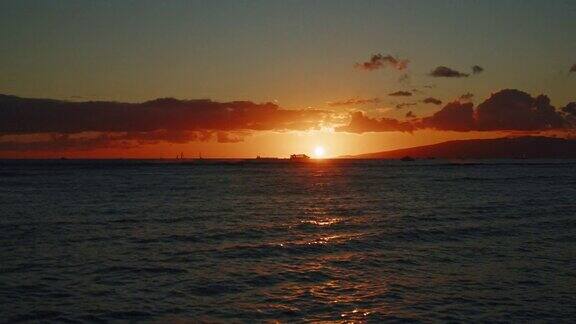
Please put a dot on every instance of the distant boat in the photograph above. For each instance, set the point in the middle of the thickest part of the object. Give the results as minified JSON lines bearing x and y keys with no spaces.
{"x":299,"y":158}
{"x":407,"y":159}
{"x":266,"y":159}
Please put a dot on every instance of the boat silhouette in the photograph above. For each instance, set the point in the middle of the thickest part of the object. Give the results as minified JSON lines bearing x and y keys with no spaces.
{"x":299,"y":158}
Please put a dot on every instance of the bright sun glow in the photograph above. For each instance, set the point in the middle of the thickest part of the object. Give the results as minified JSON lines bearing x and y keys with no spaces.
{"x":319,"y":151}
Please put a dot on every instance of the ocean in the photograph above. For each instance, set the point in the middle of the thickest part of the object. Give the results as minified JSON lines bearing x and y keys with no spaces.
{"x":332,"y":240}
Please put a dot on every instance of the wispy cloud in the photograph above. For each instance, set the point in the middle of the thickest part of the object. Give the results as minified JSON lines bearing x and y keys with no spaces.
{"x":401,"y":94}
{"x":360,"y":123}
{"x":477,"y":69}
{"x":378,"y":61}
{"x":405,"y":104}
{"x":431,"y":100}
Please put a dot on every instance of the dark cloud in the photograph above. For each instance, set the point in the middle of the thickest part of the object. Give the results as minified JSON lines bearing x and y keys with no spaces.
{"x":431,"y":100}
{"x":116,"y":140}
{"x":446,"y":72}
{"x":24,"y":116}
{"x":506,"y":110}
{"x":378,"y":61}
{"x":573,"y":68}
{"x":117,"y":124}
{"x":56,"y":125}
{"x":405,"y":104}
{"x":354,"y":102}
{"x":454,"y":116}
{"x":476,"y":69}
{"x":400,"y":94}
{"x":570,"y":109}
{"x":66,"y":142}
{"x":359,"y":123}
{"x":516,"y":110}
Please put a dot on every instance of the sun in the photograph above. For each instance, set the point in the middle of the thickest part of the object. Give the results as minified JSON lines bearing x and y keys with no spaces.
{"x":319,"y":151}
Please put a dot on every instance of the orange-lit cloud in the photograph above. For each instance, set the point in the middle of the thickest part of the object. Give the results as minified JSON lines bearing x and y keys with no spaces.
{"x":21,"y":116}
{"x":57,"y":125}
{"x":64,"y":125}
{"x":115,"y":140}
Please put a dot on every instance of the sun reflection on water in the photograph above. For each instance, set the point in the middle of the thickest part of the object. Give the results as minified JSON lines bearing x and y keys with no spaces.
{"x":323,"y":222}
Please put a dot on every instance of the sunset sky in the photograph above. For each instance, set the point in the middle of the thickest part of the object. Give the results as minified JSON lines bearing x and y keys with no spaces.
{"x":271,"y":78}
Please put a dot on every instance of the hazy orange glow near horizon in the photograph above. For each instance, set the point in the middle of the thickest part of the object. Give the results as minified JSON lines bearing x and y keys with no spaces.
{"x":395,"y":63}
{"x":317,"y":144}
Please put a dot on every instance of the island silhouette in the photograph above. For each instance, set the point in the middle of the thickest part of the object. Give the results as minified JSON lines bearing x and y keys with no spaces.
{"x":525,"y":147}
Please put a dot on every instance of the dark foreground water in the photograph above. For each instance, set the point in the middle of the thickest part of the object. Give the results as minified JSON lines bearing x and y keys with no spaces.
{"x":331,"y":241}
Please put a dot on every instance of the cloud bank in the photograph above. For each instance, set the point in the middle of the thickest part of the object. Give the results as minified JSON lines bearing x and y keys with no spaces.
{"x":58,"y":125}
{"x":22,"y":116}
{"x":105,"y":124}
{"x":506,"y":110}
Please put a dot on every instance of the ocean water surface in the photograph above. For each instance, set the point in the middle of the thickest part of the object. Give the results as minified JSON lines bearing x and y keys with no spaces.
{"x":424,"y":241}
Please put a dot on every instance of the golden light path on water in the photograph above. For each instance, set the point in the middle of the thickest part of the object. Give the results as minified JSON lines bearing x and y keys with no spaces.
{"x":327,"y":241}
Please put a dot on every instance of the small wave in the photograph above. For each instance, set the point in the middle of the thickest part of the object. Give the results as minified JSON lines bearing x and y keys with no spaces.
{"x":127,"y":315}
{"x":136,"y":270}
{"x":322,"y":221}
{"x":219,"y":288}
{"x":34,"y":316}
